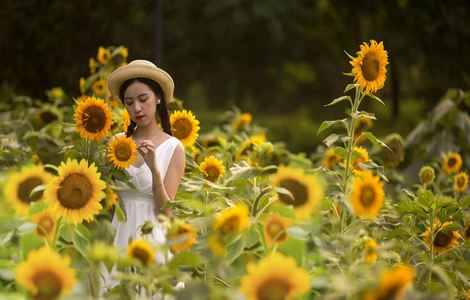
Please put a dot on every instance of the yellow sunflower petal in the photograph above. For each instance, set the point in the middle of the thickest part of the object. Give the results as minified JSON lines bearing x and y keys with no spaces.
{"x":233,"y":219}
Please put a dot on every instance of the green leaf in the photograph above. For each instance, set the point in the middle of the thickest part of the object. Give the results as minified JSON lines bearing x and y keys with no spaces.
{"x":331,"y":139}
{"x":185,"y":259}
{"x":252,"y":237}
{"x":341,"y":152}
{"x":363,"y":114}
{"x":374,"y":97}
{"x":29,"y":242}
{"x":235,"y":250}
{"x":374,"y":140}
{"x":37,"y":207}
{"x":339,"y":99}
{"x":284,"y":192}
{"x":80,"y":243}
{"x":350,"y":87}
{"x":49,"y":166}
{"x":120,"y":213}
{"x":294,"y":248}
{"x":328,"y":124}
{"x":349,"y":55}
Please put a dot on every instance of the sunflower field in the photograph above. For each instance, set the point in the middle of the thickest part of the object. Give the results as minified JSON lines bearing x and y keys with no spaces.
{"x":251,"y":219}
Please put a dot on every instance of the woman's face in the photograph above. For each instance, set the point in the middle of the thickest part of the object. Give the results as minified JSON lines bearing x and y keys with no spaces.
{"x":141,"y":103}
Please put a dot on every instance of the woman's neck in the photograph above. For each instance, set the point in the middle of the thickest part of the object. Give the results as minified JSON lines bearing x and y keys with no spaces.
{"x":147,"y":132}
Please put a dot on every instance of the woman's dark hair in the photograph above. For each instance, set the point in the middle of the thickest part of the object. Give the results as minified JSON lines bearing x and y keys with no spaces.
{"x":162,"y":107}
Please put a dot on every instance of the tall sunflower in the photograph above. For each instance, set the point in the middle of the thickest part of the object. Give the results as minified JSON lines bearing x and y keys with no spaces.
{"x":394,"y":283}
{"x":93,"y":118}
{"x":241,"y":122}
{"x":103,"y":55}
{"x":185,"y":126}
{"x":45,"y":224}
{"x":99,"y":87}
{"x":233,"y":219}
{"x":274,"y":277}
{"x":369,"y":67}
{"x":443,"y":240}
{"x":76,"y":192}
{"x":212,"y":168}
{"x":331,"y":159}
{"x":275,"y":229}
{"x":461,"y":182}
{"x":19,"y":186}
{"x":142,"y":251}
{"x":306,"y":190}
{"x":183,"y":236}
{"x":367,"y":195}
{"x":46,"y":274}
{"x":248,"y":146}
{"x":122,"y":151}
{"x":452,"y":162}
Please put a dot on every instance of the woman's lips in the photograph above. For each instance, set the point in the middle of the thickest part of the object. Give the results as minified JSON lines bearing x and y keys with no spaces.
{"x":140,"y":117}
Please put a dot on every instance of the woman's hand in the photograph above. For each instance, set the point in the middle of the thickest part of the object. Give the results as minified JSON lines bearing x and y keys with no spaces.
{"x":147,"y":148}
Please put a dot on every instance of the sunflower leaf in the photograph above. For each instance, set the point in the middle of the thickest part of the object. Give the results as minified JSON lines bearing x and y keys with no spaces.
{"x":375,"y":140}
{"x":349,"y":55}
{"x":339,"y":99}
{"x":327,"y":124}
{"x":341,"y":152}
{"x":350,"y":87}
{"x":49,"y":166}
{"x":331,"y":139}
{"x":39,"y":188}
{"x":185,"y":259}
{"x":284,"y":192}
{"x":374,"y":97}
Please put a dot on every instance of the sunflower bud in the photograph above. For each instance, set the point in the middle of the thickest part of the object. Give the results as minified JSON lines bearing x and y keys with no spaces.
{"x":426,"y":175}
{"x":147,"y":228}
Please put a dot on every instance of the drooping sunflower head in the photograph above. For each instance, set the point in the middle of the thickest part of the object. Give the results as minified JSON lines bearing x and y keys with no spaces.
{"x":184,"y":126}
{"x":103,"y":55}
{"x":396,"y":155}
{"x":452,"y":162}
{"x":361,"y":156}
{"x":46,"y":274}
{"x":141,"y":251}
{"x":275,"y":229}
{"x":426,"y":175}
{"x":331,"y":159}
{"x":369,"y":67}
{"x":212,"y":168}
{"x":19,"y":187}
{"x":249,"y":145}
{"x":362,"y":124}
{"x":99,"y":87}
{"x":45,"y":224}
{"x":394,"y":283}
{"x":182,"y":236}
{"x":122,"y":151}
{"x":76,"y":192}
{"x":367,"y":195}
{"x":306,"y":190}
{"x":461,"y":182}
{"x":370,"y":251}
{"x":93,"y":118}
{"x":233,"y":219}
{"x":241,"y":122}
{"x":274,"y":277}
{"x":443,"y":240}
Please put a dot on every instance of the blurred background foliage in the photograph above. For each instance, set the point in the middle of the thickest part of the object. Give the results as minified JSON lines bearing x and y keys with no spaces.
{"x":278,"y":60}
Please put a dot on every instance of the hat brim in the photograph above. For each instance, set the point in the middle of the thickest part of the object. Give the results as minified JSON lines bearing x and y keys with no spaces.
{"x":120,"y":75}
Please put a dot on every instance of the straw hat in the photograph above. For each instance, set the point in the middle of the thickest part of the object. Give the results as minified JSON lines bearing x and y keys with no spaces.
{"x":141,"y":68}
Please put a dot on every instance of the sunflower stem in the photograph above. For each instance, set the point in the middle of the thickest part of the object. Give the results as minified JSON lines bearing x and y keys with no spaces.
{"x":432,"y":233}
{"x":57,"y":229}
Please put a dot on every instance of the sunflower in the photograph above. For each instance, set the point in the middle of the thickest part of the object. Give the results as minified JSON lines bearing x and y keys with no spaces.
{"x":367,"y":195}
{"x":19,"y":186}
{"x":274,"y":277}
{"x":76,"y":192}
{"x":461,"y":182}
{"x":396,"y":155}
{"x":362,"y":124}
{"x":362,"y":157}
{"x":111,"y":198}
{"x":216,"y":245}
{"x":141,"y":251}
{"x":370,"y":251}
{"x":82,"y":84}
{"x":184,"y":126}
{"x":233,"y":219}
{"x":275,"y":229}
{"x":426,"y":175}
{"x":99,"y":87}
{"x":452,"y":162}
{"x":184,"y":236}
{"x":331,"y":159}
{"x":92,"y":65}
{"x":122,"y":151}
{"x":442,"y":241}
{"x":46,"y":274}
{"x":249,"y":145}
{"x":103,"y":55}
{"x":369,"y":66}
{"x":126,"y":120}
{"x":93,"y":118}
{"x":48,"y":114}
{"x":45,"y":224}
{"x":241,"y":122}
{"x":393,"y":283}
{"x":212,"y":168}
{"x":306,"y":190}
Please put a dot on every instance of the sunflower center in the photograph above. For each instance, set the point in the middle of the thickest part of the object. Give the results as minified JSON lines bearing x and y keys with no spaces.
{"x":460,"y":181}
{"x":427,"y":176}
{"x":273,"y":289}
{"x":182,"y":128}
{"x":276,"y":230}
{"x":367,"y":196}
{"x":370,"y":66}
{"x":142,"y":255}
{"x":298,"y":190}
{"x":25,"y":188}
{"x":231,"y":224}
{"x":122,"y":152}
{"x":442,"y":239}
{"x":212,"y":173}
{"x":75,"y":191}
{"x":451,"y":162}
{"x":94,"y":119}
{"x":391,"y":292}
{"x":45,"y":226}
{"x":49,"y":285}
